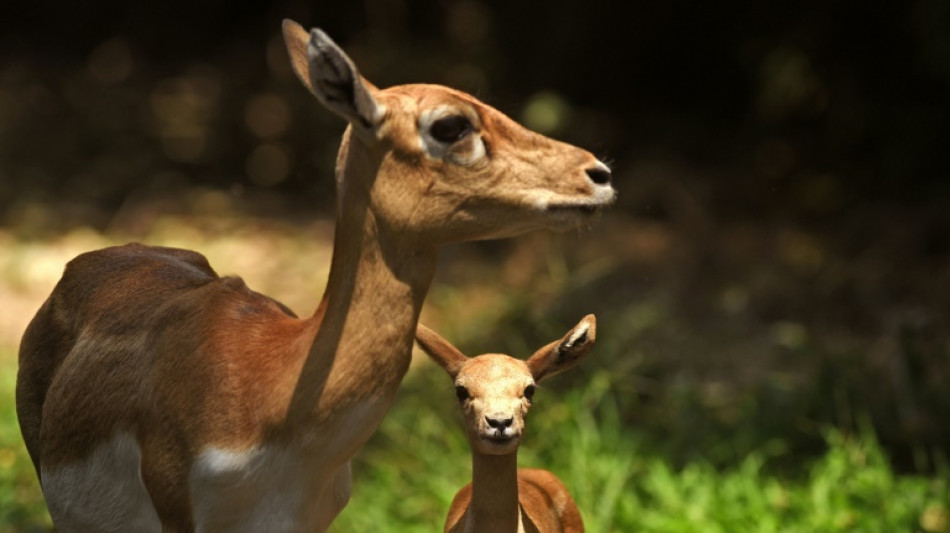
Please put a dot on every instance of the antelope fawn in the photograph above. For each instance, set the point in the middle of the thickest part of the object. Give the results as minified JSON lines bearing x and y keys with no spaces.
{"x":495,"y":392}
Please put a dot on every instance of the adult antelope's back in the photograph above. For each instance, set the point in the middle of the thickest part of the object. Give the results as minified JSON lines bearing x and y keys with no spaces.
{"x":154,"y":395}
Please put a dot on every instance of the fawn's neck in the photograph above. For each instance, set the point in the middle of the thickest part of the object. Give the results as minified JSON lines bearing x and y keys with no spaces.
{"x":494,"y":506}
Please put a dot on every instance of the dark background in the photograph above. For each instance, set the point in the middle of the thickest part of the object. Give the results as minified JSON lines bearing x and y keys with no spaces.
{"x":784,"y":208}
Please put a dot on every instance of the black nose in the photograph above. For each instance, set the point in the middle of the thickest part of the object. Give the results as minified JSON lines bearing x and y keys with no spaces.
{"x":599,"y":176}
{"x":499,"y":423}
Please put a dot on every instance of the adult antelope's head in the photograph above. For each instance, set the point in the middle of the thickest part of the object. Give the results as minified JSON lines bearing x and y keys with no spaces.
{"x":440,"y":165}
{"x":495,"y":391}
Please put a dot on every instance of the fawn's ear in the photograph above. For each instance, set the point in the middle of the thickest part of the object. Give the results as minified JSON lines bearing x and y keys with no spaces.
{"x":565,"y":352}
{"x":331,"y":76}
{"x":440,"y":350}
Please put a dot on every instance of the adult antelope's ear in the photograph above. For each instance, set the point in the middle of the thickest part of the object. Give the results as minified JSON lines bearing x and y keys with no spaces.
{"x":565,"y":352}
{"x":440,"y":350}
{"x":330,"y":75}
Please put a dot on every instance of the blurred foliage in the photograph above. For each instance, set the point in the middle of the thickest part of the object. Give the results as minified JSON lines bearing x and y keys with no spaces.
{"x":778,"y":262}
{"x":407,"y":474}
{"x":804,"y":110}
{"x":642,"y":442}
{"x":409,"y":471}
{"x":21,"y":503}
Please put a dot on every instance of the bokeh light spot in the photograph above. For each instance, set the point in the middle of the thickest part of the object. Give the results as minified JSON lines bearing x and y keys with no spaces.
{"x":111,"y":62}
{"x":268,"y":164}
{"x":546,"y":112}
{"x":267,"y":116}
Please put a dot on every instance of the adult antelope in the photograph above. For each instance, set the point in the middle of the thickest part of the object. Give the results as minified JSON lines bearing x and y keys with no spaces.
{"x":495,"y":392}
{"x":154,"y":395}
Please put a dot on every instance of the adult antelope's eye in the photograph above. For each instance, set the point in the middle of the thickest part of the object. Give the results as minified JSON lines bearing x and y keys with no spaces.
{"x":529,"y":392}
{"x":461,"y":393}
{"x":450,"y":129}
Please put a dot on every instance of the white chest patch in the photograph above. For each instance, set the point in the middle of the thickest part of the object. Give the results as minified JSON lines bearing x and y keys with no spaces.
{"x":103,"y":492}
{"x":280,"y":488}
{"x":265,"y":490}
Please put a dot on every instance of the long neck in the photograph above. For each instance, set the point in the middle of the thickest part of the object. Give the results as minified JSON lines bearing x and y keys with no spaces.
{"x":367,"y":318}
{"x":494,"y":506}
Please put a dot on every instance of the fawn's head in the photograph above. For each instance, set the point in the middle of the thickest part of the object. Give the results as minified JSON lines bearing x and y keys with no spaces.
{"x":495,"y":391}
{"x":439,"y":164}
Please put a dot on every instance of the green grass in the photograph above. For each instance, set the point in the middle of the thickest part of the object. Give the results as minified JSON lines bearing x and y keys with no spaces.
{"x":21,"y":503}
{"x":406,"y":476}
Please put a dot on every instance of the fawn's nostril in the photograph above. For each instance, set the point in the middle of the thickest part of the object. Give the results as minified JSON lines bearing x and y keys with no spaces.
{"x":599,"y":176}
{"x":499,"y":423}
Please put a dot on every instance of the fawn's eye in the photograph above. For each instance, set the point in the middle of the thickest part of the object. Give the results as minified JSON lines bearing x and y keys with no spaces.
{"x":529,"y":392}
{"x":450,"y":129}
{"x":461,"y":393}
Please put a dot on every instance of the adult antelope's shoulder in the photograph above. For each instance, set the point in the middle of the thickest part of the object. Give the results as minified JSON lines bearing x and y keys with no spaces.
{"x":154,"y":395}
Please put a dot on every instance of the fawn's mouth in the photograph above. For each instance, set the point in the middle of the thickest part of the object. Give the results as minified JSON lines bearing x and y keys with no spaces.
{"x":499,"y":439}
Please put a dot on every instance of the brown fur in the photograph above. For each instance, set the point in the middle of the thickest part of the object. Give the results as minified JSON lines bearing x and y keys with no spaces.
{"x":148,"y":326}
{"x":151,"y":342}
{"x":545,"y":504}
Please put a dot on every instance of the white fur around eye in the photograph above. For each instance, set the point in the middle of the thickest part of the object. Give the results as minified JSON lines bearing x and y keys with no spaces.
{"x":465,"y":152}
{"x":477,"y":153}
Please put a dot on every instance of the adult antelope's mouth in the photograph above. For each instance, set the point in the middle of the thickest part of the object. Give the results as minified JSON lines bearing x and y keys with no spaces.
{"x":564,"y":216}
{"x":585,"y":208}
